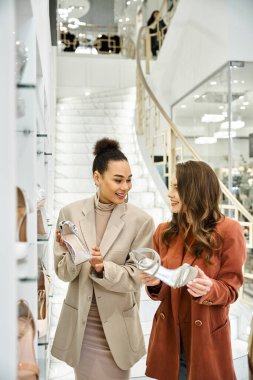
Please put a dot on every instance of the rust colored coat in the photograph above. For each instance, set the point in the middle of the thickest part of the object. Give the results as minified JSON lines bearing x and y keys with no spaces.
{"x":203,"y":322}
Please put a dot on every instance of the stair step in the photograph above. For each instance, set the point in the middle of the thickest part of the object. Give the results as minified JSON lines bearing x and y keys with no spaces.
{"x":103,"y":120}
{"x":95,"y":128}
{"x":97,"y":113}
{"x":78,"y":137}
{"x":81,"y":158}
{"x":100,"y":99}
{"x":83,"y":105}
{"x":240,"y":358}
{"x":66,"y":185}
{"x":85,"y":171}
{"x":233,"y":326}
{"x":71,"y":147}
{"x":157,"y":214}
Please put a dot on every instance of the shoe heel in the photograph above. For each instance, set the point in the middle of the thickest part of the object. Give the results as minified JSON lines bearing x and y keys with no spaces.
{"x":21,"y":216}
{"x":27,"y":368}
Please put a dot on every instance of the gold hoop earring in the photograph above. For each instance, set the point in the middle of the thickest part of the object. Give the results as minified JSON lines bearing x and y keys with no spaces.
{"x":97,"y":194}
{"x":126,"y":198}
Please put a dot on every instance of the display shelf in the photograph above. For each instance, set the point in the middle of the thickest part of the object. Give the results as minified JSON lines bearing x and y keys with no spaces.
{"x":45,"y":238}
{"x":27,"y":86}
{"x":33,"y":144}
{"x":27,"y":267}
{"x":41,"y":135}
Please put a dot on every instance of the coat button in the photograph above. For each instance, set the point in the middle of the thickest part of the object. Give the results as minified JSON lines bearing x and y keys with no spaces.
{"x":198,"y":322}
{"x":162,"y":316}
{"x":89,"y":298}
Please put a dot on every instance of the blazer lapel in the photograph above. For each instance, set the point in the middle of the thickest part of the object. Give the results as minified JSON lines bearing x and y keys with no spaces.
{"x":174,"y":259}
{"x":189,"y":257}
{"x":87,"y":224}
{"x":113,"y":228}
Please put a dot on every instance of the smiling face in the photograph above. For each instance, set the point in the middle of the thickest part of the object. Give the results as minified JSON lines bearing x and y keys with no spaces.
{"x":175,"y":202}
{"x":114,"y":183}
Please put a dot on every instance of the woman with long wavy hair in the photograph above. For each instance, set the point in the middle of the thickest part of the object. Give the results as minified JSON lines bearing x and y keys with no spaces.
{"x":190,"y":337}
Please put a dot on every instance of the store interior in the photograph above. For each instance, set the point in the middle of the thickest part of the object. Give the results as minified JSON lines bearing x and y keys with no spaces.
{"x":68,"y":78}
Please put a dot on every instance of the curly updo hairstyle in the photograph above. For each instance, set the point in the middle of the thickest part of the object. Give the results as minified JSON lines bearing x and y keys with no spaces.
{"x":106,"y":150}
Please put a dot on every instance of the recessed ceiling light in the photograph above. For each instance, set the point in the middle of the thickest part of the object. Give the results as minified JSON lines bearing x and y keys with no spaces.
{"x":243,"y":108}
{"x":221,"y":107}
{"x":212,"y":118}
{"x":213,"y":83}
{"x":87,"y":93}
{"x":205,"y":140}
{"x":224,"y":134}
{"x":236,"y":124}
{"x":183,"y":106}
{"x":245,"y":103}
{"x":196,"y":96}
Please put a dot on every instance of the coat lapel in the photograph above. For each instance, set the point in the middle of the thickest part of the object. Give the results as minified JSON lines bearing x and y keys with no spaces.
{"x":173,"y":260}
{"x":113,"y":228}
{"x":87,"y":224}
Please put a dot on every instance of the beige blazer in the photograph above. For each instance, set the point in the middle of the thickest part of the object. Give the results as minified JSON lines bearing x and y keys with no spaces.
{"x":117,"y":292}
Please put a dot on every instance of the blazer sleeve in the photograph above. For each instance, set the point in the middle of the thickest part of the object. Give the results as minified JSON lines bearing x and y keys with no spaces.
{"x":125,"y":278}
{"x":65,"y":269}
{"x":158,"y":292}
{"x":224,"y":290}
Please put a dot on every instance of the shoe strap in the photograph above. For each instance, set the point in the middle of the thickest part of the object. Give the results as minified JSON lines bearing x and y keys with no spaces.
{"x":71,"y":226}
{"x":156,"y":260}
{"x":29,"y":367}
{"x":192,"y":272}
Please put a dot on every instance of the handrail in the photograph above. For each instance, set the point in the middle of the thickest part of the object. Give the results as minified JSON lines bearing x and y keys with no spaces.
{"x":175,"y":130}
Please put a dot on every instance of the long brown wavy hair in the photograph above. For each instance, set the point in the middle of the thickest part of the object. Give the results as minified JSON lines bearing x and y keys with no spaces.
{"x":199,"y":191}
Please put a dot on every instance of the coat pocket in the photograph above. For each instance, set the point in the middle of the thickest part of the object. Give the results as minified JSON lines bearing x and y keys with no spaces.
{"x":66,"y":327}
{"x":133,"y":327}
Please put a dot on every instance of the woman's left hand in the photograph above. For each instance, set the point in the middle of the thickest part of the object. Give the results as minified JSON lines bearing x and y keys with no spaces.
{"x":201,"y":285}
{"x":97,"y":260}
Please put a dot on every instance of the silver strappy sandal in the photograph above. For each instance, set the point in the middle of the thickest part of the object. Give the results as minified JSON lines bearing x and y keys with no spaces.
{"x":78,"y":249}
{"x":148,"y":260}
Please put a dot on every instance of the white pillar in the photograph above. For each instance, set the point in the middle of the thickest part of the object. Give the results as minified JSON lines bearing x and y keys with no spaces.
{"x":8,"y":315}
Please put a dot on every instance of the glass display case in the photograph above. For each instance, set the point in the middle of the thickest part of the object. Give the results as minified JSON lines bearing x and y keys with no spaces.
{"x":216,"y":117}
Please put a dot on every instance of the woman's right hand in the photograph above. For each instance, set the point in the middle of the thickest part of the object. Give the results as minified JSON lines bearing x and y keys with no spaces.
{"x":60,"y":239}
{"x":149,"y":280}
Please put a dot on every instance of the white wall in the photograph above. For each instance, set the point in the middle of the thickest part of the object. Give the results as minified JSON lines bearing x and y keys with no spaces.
{"x":78,"y":73}
{"x":42,"y":25}
{"x":203,"y":35}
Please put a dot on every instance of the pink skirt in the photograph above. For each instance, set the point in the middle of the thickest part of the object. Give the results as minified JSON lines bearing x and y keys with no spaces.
{"x":96,"y":361}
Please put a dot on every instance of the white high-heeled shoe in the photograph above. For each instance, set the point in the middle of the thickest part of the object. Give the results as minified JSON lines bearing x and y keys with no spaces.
{"x":149,"y":261}
{"x":78,"y":249}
